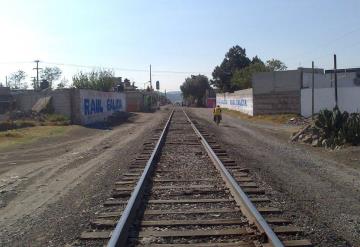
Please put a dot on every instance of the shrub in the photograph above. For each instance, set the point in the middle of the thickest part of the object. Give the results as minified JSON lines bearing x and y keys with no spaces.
{"x":338,"y":128}
{"x":101,"y":80}
{"x":56,"y":118}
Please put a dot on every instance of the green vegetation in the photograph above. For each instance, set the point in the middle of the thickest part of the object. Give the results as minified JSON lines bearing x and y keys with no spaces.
{"x":236,"y":70}
{"x":194,"y":89}
{"x":44,"y":120}
{"x":17,"y":124}
{"x":336,"y":128}
{"x":101,"y":80}
{"x":28,"y":135}
{"x":50,"y":74}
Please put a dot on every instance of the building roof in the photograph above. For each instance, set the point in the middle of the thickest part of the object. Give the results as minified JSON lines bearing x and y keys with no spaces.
{"x":342,"y":70}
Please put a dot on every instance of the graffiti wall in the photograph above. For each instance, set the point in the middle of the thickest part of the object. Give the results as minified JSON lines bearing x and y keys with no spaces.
{"x":96,"y":106}
{"x":239,"y":101}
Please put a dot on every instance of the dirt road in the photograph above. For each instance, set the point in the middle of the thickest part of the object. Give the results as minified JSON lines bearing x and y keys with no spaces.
{"x":50,"y":189}
{"x":319,"y":192}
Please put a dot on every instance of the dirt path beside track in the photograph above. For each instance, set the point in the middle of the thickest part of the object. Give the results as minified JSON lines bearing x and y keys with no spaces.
{"x":50,"y":189}
{"x":318,"y":191}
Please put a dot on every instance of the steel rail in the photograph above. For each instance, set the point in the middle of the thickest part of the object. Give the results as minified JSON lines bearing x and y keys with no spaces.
{"x":246,"y":206}
{"x":121,"y":231}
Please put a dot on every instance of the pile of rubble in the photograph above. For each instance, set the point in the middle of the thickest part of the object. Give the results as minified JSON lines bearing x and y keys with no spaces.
{"x":331,"y":129}
{"x":299,"y":121}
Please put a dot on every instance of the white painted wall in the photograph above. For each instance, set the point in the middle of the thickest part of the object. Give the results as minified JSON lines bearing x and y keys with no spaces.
{"x":239,"y":101}
{"x":348,"y":99}
{"x":96,"y":106}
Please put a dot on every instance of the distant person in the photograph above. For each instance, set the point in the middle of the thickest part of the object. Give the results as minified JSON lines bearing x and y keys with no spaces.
{"x":217,"y":114}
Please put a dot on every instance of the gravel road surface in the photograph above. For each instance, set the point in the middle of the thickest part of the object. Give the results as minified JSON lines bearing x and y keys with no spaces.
{"x":320,"y":193}
{"x":49,"y":192}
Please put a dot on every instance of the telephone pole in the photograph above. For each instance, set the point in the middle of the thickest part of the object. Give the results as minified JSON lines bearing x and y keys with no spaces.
{"x":312,"y":89}
{"x":36,"y":86}
{"x":150,"y":78}
{"x":336,"y":86}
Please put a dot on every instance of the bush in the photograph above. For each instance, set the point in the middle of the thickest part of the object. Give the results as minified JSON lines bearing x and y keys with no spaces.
{"x":17,"y":124}
{"x":101,"y":80}
{"x":338,"y":128}
{"x":56,"y":118}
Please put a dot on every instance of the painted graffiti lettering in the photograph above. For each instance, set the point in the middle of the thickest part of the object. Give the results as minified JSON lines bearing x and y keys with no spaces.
{"x":92,"y":106}
{"x":238,"y":102}
{"x":114,"y":104}
{"x":95,"y":106}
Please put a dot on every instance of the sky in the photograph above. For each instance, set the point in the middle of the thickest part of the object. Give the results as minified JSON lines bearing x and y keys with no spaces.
{"x":177,"y":37}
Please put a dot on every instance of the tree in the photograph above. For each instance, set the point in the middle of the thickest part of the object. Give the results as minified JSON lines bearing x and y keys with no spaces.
{"x":256,"y":59}
{"x":194,"y":88}
{"x":101,"y":80}
{"x":235,"y":59}
{"x":275,"y":65}
{"x":16,"y":80}
{"x":63,"y":83}
{"x":51,"y":74}
{"x":242,"y":78}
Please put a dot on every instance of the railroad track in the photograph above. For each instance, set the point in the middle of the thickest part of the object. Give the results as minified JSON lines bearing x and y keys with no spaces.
{"x":184,"y":190}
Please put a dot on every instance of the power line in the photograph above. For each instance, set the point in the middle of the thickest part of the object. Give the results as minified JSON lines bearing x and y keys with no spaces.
{"x":124,"y":69}
{"x":327,"y":43}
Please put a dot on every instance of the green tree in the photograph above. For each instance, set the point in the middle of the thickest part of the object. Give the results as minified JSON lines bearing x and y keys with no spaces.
{"x":275,"y":65}
{"x":194,"y":88}
{"x":51,"y":74}
{"x":242,"y":78}
{"x":16,"y":80}
{"x":235,"y":59}
{"x":63,"y":83}
{"x":101,"y":80}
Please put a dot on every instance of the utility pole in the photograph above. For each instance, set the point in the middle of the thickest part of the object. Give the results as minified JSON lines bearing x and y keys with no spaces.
{"x":6,"y":82}
{"x":335,"y":75}
{"x":312,"y":90}
{"x":150,"y":79}
{"x":36,"y":86}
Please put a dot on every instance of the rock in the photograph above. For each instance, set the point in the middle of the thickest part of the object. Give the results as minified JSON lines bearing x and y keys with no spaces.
{"x":324,"y":143}
{"x":315,"y":143}
{"x":307,"y":139}
{"x":315,"y":137}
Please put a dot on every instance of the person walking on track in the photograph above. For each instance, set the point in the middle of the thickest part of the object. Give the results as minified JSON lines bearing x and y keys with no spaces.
{"x":217,"y":114}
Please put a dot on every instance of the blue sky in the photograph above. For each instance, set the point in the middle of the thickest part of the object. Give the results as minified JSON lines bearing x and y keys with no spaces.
{"x":178,"y":37}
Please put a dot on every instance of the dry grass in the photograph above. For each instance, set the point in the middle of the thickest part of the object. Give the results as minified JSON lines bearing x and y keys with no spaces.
{"x":28,"y":135}
{"x":275,"y":119}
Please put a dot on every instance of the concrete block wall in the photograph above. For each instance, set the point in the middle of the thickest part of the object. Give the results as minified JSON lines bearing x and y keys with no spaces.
{"x":241,"y":100}
{"x":80,"y":105}
{"x":134,"y":101}
{"x":277,"y":103}
{"x":276,"y":81}
{"x":61,"y":100}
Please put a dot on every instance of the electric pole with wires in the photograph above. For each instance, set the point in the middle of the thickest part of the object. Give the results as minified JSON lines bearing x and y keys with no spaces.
{"x":36,"y":85}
